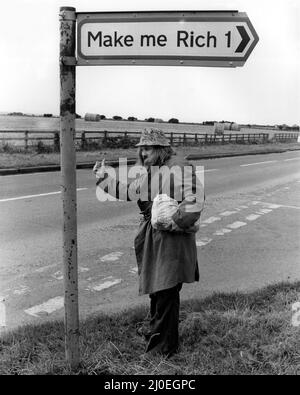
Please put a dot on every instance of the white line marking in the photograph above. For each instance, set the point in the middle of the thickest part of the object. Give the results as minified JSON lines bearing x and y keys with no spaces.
{"x":58,"y":275}
{"x":286,"y":160}
{"x":206,"y":170}
{"x":255,"y":203}
{"x":2,"y":313}
{"x":48,"y":307}
{"x":264,"y":211}
{"x":105,"y":285}
{"x":34,"y":196}
{"x":203,"y":242}
{"x":259,"y":163}
{"x":252,"y":217}
{"x":222,"y":232}
{"x":271,"y":205}
{"x":43,"y":269}
{"x":22,"y":290}
{"x":281,"y":205}
{"x":114,"y":256}
{"x":83,"y":269}
{"x":236,"y":225}
{"x":210,"y":220}
{"x":227,"y":213}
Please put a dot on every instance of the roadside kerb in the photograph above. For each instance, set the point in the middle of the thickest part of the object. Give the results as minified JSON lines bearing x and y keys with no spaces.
{"x":132,"y":161}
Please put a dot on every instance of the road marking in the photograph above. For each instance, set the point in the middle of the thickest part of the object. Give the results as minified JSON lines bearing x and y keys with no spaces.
{"x":222,"y":232}
{"x":272,"y":205}
{"x":58,"y":275}
{"x":252,"y":217}
{"x":210,"y":220}
{"x":286,"y":160}
{"x":47,"y":307}
{"x":38,"y":195}
{"x":105,"y":285}
{"x":236,"y":225}
{"x":206,"y":170}
{"x":22,"y":290}
{"x":114,"y":256}
{"x":227,"y":213}
{"x":259,"y":163}
{"x":255,"y":203}
{"x":43,"y":269}
{"x":2,"y":312}
{"x":133,"y":270}
{"x":203,"y":242}
{"x":264,"y":211}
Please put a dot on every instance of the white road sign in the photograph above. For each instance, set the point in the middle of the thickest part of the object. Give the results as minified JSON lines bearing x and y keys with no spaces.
{"x":192,"y":38}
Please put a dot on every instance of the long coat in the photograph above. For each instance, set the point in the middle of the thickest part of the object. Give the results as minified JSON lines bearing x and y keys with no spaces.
{"x":165,"y":258}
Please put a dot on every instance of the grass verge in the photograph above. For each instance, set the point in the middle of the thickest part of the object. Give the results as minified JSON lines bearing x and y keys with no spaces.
{"x":22,"y":159}
{"x":240,"y":334}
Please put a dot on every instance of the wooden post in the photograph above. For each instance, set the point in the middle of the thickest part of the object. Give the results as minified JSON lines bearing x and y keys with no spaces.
{"x":68,"y":173}
{"x":83,"y":141}
{"x":26,"y":140}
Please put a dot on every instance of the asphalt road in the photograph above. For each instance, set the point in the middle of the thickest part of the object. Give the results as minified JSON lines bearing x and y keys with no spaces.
{"x":249,"y":237}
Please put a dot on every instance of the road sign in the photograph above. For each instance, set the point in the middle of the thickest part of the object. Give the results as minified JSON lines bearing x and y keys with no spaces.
{"x":166,"y":38}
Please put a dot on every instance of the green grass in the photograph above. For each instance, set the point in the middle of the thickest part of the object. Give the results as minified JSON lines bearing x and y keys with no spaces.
{"x":22,"y":159}
{"x":240,"y":334}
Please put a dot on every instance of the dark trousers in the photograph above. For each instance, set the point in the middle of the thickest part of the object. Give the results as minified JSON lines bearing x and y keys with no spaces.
{"x":164,"y":321}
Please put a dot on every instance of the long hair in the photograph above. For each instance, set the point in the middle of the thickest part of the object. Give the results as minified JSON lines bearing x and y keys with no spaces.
{"x":161,"y":155}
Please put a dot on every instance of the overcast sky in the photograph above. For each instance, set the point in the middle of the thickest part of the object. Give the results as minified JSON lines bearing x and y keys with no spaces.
{"x":266,"y":90}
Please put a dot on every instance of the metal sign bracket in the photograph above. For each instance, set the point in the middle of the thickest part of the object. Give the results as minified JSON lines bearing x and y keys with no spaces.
{"x":68,"y":60}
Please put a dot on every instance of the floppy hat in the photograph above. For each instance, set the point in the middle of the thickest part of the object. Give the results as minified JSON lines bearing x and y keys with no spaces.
{"x":153,"y":137}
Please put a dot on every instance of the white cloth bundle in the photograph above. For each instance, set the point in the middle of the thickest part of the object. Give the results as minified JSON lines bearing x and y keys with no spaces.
{"x":163,"y":209}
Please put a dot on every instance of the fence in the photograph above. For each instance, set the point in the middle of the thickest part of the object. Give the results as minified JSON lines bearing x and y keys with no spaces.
{"x":84,"y":138}
{"x":285,"y":137}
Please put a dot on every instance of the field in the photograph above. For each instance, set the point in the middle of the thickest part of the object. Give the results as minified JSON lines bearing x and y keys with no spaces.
{"x":52,"y":124}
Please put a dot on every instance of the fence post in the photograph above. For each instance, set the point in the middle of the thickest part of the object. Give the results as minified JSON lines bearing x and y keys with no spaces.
{"x":83,"y":141}
{"x":26,"y":140}
{"x":196,"y":138}
{"x":56,"y":142}
{"x":206,"y":138}
{"x":184,"y":139}
{"x":67,"y":19}
{"x":171,"y":138}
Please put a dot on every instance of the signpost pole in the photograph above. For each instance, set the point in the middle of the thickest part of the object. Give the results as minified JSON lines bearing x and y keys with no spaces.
{"x":68,"y":188}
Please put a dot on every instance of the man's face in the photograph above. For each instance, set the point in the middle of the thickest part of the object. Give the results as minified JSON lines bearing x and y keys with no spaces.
{"x":148,"y":155}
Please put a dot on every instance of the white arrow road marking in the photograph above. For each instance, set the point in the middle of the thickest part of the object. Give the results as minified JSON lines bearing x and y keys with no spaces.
{"x":34,"y":196}
{"x":114,"y":256}
{"x":104,"y":285}
{"x":236,"y":225}
{"x":47,"y":307}
{"x":2,"y":312}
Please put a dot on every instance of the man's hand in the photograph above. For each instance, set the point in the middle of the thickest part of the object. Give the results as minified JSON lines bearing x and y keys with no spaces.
{"x":99,"y":169}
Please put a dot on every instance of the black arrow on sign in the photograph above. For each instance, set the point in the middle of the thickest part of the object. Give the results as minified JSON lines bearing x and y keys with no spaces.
{"x":245,"y":39}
